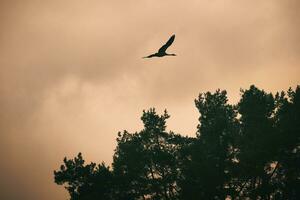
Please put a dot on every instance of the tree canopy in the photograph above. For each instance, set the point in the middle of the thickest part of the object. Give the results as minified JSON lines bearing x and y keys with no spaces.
{"x":250,"y":150}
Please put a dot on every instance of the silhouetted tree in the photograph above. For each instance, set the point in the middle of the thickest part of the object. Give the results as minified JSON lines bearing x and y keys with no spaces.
{"x":148,"y":163}
{"x":85,"y":182}
{"x":207,"y":175}
{"x":250,"y":150}
{"x":256,"y":144}
{"x":286,"y":176}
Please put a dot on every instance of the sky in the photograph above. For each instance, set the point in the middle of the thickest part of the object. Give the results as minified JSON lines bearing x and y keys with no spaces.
{"x":72,"y":73}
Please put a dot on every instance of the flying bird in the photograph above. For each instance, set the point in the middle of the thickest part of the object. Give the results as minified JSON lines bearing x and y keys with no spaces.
{"x":162,"y":51}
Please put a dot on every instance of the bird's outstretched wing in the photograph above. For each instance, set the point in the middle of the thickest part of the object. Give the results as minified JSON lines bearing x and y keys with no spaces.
{"x":165,"y":46}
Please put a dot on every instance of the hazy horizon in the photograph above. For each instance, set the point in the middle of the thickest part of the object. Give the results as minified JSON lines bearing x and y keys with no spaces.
{"x":72,"y":73}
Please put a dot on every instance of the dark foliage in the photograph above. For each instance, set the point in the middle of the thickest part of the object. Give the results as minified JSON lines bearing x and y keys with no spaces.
{"x":250,"y":150}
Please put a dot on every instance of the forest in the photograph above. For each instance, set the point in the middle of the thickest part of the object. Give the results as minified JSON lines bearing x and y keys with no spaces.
{"x":249,"y":150}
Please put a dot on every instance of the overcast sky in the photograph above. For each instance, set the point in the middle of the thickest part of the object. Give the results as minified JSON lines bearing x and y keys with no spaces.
{"x":71,"y":73}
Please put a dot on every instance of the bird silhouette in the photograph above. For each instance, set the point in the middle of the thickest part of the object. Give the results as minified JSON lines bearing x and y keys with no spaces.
{"x":162,"y":51}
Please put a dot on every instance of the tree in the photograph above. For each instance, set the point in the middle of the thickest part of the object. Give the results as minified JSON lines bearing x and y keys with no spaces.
{"x":256,"y":142}
{"x":85,"y":182}
{"x":207,"y":175}
{"x":287,"y":174}
{"x":148,"y":162}
{"x":250,"y":150}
